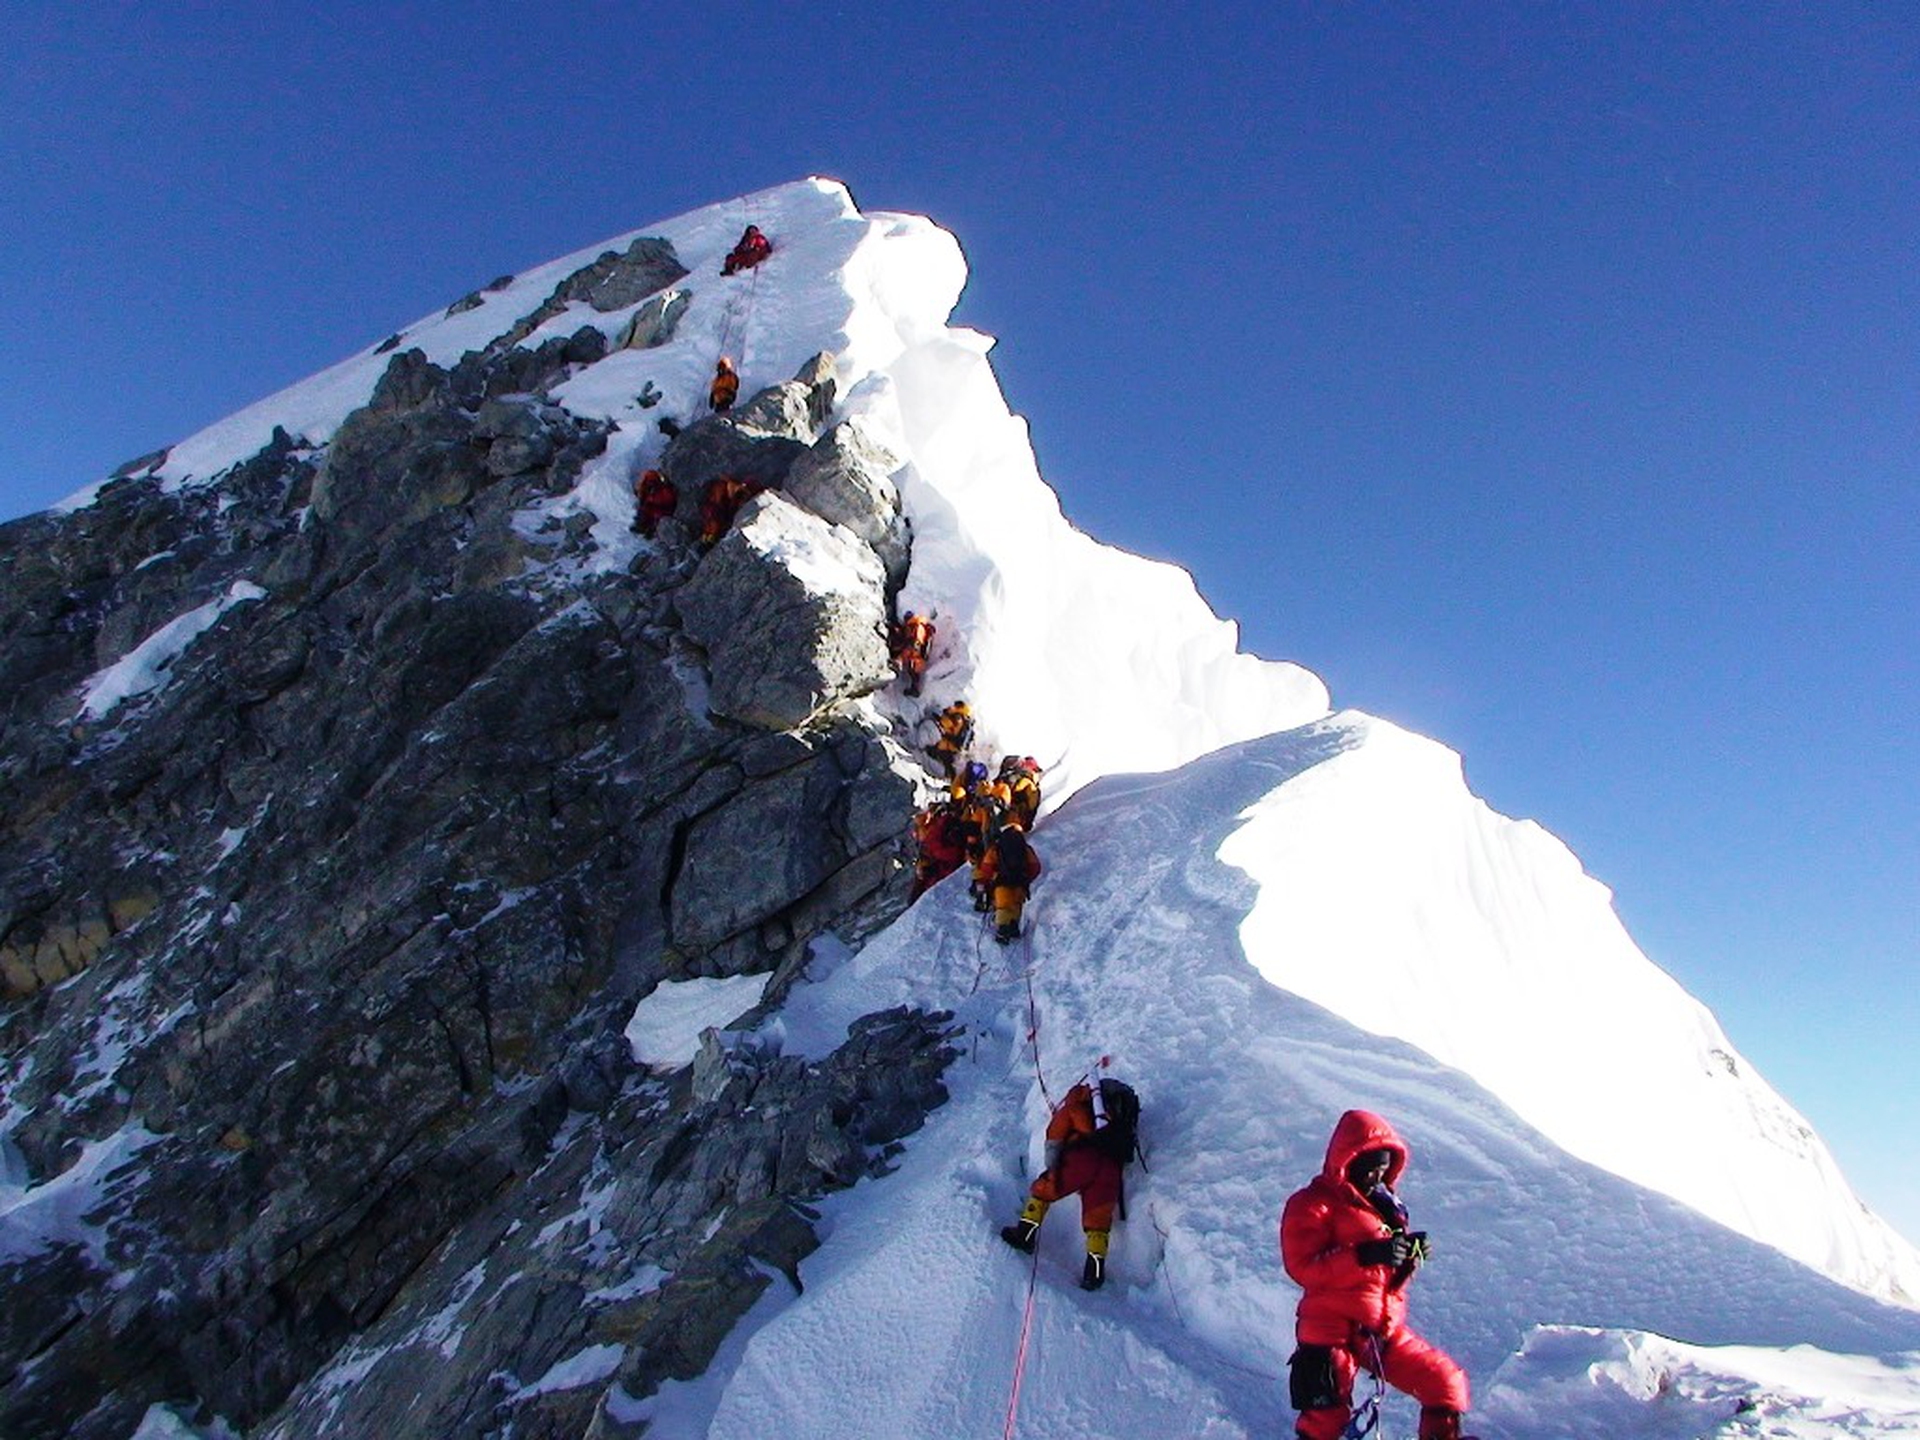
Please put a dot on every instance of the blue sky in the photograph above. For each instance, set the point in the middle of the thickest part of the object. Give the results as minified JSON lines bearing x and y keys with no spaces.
{"x":1545,"y":377}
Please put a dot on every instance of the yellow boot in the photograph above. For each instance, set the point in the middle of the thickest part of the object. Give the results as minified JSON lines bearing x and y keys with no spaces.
{"x":1022,"y":1234}
{"x":1094,"y":1273}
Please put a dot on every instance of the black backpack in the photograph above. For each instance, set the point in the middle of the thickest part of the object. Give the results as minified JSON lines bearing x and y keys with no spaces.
{"x":1120,"y":1136}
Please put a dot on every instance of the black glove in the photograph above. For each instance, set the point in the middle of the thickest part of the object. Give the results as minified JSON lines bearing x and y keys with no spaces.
{"x":1392,"y":1251}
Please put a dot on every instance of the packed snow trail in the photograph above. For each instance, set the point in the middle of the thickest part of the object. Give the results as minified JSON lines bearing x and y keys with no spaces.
{"x":910,"y":1321}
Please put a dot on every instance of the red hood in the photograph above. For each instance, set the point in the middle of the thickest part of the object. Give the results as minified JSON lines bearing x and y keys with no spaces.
{"x":1358,"y":1132}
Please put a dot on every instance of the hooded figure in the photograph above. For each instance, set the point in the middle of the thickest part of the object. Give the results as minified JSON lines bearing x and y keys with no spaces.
{"x":1345,"y":1242}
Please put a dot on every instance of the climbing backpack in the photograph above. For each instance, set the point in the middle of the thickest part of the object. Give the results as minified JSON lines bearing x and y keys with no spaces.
{"x":1013,"y":857}
{"x":1119,"y":1138}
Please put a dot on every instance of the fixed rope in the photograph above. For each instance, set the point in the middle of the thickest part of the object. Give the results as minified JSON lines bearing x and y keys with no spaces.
{"x":739,"y":310}
{"x":1020,"y":1353}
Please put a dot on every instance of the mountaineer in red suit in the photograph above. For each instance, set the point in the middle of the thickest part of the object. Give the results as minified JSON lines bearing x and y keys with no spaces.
{"x":1345,"y":1242}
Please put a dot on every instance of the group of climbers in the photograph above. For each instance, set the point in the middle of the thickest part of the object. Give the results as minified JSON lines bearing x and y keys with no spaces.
{"x":654,"y":496}
{"x":985,"y":823}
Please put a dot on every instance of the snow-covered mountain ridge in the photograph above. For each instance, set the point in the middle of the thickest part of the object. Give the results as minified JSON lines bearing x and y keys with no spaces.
{"x":1394,"y":898}
{"x":1264,"y":912}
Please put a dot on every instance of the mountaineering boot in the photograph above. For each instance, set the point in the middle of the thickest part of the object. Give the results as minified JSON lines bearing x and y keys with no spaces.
{"x":1007,"y":934}
{"x":1023,"y":1232}
{"x":1094,"y":1273}
{"x":1021,"y":1235}
{"x":1437,"y":1422}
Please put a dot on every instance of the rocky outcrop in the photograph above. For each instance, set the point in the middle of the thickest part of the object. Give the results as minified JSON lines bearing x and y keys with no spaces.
{"x":655,"y":321}
{"x":758,"y":441}
{"x":792,"y":614}
{"x":317,"y":952}
{"x":846,"y":478}
{"x":613,"y":281}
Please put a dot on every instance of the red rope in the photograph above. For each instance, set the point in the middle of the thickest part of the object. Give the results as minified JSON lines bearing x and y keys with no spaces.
{"x":1020,"y":1355}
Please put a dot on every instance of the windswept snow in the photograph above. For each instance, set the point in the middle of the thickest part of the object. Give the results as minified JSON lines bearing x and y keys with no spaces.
{"x":1577,"y":1384}
{"x":1391,"y":896}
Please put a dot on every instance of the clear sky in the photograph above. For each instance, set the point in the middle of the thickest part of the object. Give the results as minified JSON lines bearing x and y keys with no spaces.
{"x":1546,"y":377}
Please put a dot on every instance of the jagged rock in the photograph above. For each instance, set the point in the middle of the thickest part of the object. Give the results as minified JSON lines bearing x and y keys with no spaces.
{"x":846,"y":478}
{"x":768,"y":847}
{"x":613,"y":281}
{"x":758,"y":441}
{"x":655,"y":321}
{"x":794,"y":409}
{"x":332,"y":937}
{"x":715,"y":446}
{"x":792,"y":615}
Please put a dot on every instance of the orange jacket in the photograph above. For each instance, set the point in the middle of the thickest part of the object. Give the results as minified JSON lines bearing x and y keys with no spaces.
{"x":725,"y":388}
{"x":912,"y":638}
{"x":1319,"y":1229}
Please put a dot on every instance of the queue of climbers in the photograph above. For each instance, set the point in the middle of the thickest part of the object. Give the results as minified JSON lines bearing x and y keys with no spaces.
{"x":1345,"y":1237}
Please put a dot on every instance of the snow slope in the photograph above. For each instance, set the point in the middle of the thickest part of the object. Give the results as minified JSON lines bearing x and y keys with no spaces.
{"x":911,"y":1319}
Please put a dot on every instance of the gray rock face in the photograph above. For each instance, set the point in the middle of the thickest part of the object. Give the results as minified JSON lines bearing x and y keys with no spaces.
{"x":791,"y":613}
{"x":655,"y":321}
{"x":847,"y":478}
{"x":315,"y":958}
{"x":757,"y":441}
{"x":613,"y":281}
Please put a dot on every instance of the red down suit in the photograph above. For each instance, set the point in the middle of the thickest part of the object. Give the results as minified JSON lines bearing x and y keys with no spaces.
{"x":1344,"y":1301}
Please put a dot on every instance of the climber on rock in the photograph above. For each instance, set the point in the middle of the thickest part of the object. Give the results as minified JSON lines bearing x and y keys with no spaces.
{"x":955,"y":724}
{"x":1091,"y":1136}
{"x":654,"y":497}
{"x":753,"y":247}
{"x":911,"y":640}
{"x":1345,"y":1242}
{"x":725,"y":388}
{"x":1007,"y":873}
{"x":719,"y":503}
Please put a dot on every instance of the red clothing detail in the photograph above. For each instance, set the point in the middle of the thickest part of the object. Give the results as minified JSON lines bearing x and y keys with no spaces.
{"x":1341,"y":1298}
{"x":1085,"y":1172}
{"x":1408,"y":1364}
